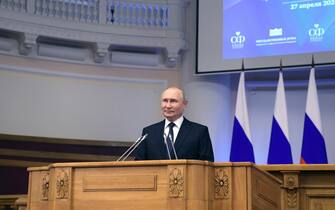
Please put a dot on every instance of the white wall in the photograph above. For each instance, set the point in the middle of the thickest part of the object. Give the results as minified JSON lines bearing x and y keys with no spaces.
{"x":65,"y":100}
{"x":76,"y":106}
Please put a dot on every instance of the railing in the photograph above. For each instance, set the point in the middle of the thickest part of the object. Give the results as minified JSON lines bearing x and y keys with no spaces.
{"x":117,"y":12}
{"x":15,"y":5}
{"x":73,"y":10}
{"x":137,"y":14}
{"x":102,"y":23}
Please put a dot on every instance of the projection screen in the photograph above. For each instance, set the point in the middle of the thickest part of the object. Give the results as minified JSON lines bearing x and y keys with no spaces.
{"x":261,"y":33}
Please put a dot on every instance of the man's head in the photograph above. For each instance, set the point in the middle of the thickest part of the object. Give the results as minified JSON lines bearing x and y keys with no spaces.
{"x":173,"y":103}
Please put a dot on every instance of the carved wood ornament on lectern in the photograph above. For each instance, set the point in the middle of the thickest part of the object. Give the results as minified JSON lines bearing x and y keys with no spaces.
{"x":63,"y":183}
{"x":45,"y":185}
{"x":221,"y":187}
{"x":291,"y":184}
{"x":176,"y":183}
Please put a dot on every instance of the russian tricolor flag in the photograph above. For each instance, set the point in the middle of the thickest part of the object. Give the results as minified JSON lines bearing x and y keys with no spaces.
{"x":241,"y":147}
{"x":280,"y":148}
{"x":313,"y":149}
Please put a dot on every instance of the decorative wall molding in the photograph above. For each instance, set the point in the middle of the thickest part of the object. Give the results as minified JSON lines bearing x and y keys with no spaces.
{"x":63,"y":52}
{"x":101,"y":52}
{"x":27,"y":43}
{"x":98,"y":25}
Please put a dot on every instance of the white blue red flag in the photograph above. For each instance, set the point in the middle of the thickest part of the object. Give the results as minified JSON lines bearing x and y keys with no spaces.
{"x":313,"y":149}
{"x":280,"y":148}
{"x":241,"y":146}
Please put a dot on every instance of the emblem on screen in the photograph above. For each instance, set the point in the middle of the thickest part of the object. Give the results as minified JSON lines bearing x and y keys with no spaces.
{"x":316,"y":33}
{"x":276,"y":32}
{"x":237,"y":41}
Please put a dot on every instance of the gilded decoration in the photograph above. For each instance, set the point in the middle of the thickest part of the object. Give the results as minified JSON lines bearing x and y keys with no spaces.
{"x":176,"y":183}
{"x":221,"y":184}
{"x":45,"y":185}
{"x":62,"y":184}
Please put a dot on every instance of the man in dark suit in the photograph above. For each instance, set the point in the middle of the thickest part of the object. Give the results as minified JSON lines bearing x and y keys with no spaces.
{"x":191,"y":140}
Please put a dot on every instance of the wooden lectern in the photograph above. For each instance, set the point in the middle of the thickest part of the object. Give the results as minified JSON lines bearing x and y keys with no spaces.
{"x":152,"y":185}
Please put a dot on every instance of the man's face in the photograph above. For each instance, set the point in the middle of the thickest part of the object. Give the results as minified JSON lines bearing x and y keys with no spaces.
{"x":172,"y":104}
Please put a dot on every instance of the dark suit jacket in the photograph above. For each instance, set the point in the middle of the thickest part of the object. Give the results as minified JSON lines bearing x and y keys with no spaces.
{"x":193,"y":142}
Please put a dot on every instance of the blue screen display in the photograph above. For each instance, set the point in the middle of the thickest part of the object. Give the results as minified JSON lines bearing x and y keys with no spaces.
{"x":258,"y":28}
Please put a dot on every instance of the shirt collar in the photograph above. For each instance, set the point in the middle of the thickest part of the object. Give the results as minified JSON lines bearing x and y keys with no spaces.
{"x":177,"y":122}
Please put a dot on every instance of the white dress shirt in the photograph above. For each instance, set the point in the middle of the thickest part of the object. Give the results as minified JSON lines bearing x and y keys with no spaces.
{"x":176,"y":128}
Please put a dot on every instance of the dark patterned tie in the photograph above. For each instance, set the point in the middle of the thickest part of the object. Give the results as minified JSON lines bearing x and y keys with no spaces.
{"x":170,"y":140}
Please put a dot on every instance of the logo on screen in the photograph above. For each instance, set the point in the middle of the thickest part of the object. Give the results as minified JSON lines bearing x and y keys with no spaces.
{"x":316,"y":33}
{"x":237,"y":41}
{"x":276,"y":32}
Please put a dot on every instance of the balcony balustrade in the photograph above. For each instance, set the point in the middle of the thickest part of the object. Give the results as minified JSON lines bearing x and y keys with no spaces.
{"x":101,"y":25}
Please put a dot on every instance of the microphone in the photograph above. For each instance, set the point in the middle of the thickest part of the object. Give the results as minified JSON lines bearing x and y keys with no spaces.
{"x":174,"y":150}
{"x":126,"y":154}
{"x":167,"y":146}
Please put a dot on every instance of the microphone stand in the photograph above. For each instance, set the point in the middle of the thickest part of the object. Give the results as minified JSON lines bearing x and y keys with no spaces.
{"x":126,"y":154}
{"x":167,"y":146}
{"x":174,"y":150}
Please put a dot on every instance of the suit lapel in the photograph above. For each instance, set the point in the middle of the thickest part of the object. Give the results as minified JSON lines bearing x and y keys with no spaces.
{"x":183,"y":133}
{"x":160,"y":137}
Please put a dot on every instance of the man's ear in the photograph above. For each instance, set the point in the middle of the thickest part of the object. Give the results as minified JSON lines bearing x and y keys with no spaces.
{"x":185,"y":102}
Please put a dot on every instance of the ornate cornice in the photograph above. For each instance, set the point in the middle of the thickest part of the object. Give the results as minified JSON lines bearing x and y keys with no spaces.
{"x":99,"y":36}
